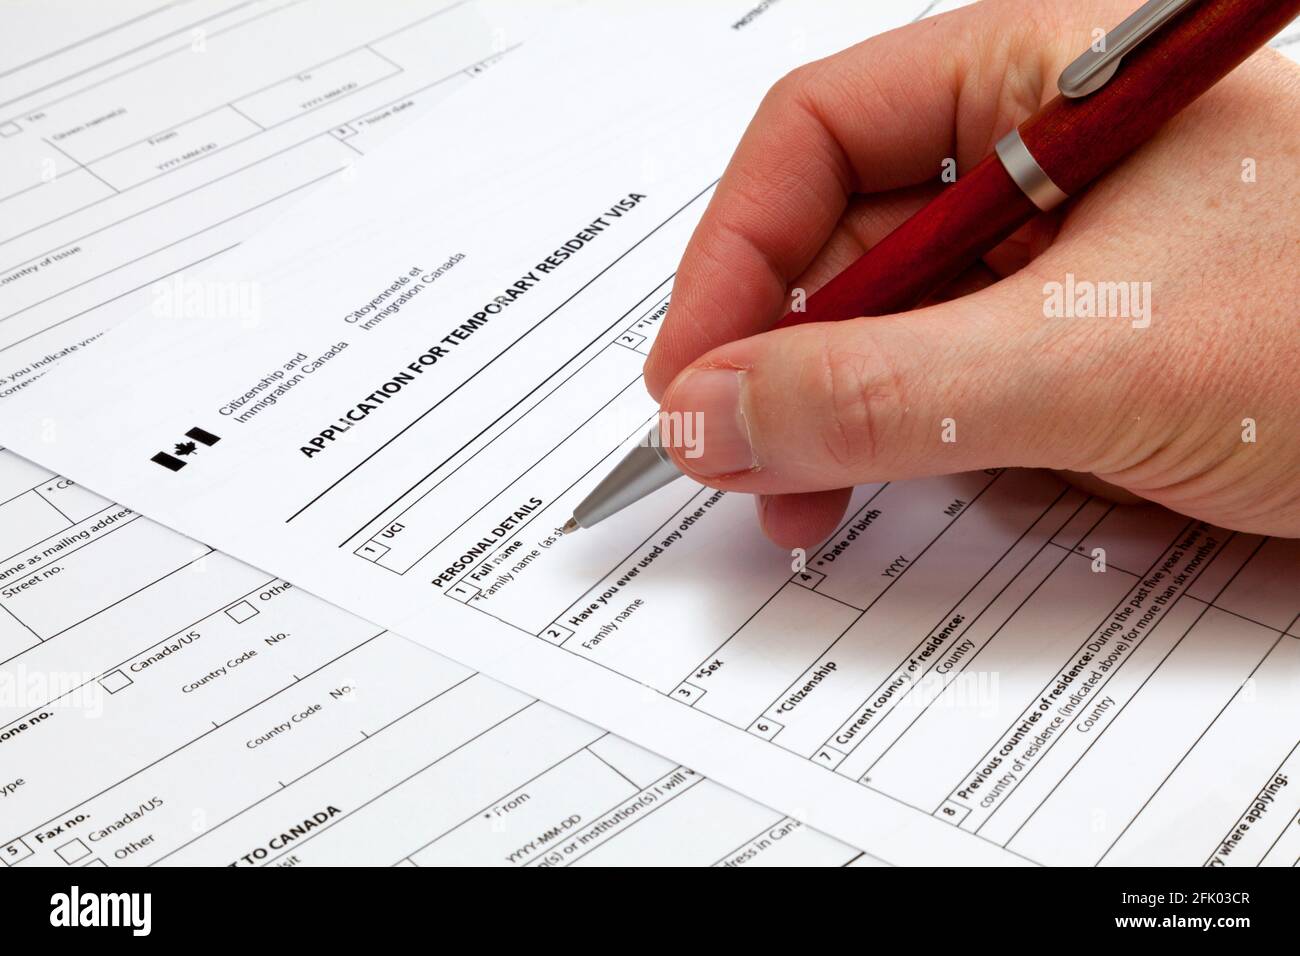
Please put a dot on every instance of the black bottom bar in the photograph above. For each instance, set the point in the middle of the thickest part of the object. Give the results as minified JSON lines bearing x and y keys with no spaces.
{"x":889,"y":906}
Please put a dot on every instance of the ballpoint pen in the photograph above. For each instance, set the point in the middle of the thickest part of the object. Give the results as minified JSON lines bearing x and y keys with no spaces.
{"x":1112,"y":99}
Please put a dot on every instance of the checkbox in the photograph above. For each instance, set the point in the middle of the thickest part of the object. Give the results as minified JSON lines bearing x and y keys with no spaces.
{"x":241,"y":612}
{"x":10,"y":129}
{"x":72,"y":851}
{"x":114,"y":681}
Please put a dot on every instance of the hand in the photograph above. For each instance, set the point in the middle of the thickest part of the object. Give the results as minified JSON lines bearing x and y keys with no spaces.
{"x":1198,"y":411}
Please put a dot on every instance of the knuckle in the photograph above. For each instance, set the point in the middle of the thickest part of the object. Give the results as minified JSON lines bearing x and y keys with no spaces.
{"x":865,"y":402}
{"x":793,"y":86}
{"x":790,"y":83}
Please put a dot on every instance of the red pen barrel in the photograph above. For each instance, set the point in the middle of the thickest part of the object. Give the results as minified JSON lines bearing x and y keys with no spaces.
{"x":927,"y":251}
{"x":1073,"y":141}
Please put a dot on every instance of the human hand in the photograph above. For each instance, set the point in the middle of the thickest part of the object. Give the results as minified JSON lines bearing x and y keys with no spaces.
{"x":1196,"y":411}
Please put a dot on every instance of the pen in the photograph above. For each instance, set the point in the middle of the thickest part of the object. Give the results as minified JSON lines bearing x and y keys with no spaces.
{"x":1112,"y":99}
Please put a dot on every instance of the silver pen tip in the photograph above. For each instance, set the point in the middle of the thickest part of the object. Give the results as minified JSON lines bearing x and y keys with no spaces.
{"x":570,"y":526}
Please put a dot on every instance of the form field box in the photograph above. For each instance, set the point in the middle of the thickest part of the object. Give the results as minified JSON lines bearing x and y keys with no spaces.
{"x":767,"y":729}
{"x":15,"y":637}
{"x":537,"y":442}
{"x":877,"y":547}
{"x":79,"y":578}
{"x":116,"y":680}
{"x":688,"y":693}
{"x":45,"y":202}
{"x":316,"y":87}
{"x":241,"y":612}
{"x":649,"y":323}
{"x":372,"y":551}
{"x":29,"y":164}
{"x":556,"y":634}
{"x":1196,"y":718}
{"x":204,"y":206}
{"x":829,"y":757}
{"x":73,"y":501}
{"x":581,"y":784}
{"x":15,"y":852}
{"x":952,"y":812}
{"x":25,"y":521}
{"x":462,"y":592}
{"x":10,"y":129}
{"x":767,"y":658}
{"x":72,"y":851}
{"x":809,"y":579}
{"x":1133,"y":538}
{"x":1265,"y":591}
{"x":174,"y":148}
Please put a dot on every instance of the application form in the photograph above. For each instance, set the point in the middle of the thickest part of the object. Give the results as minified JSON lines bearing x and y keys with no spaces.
{"x":144,"y":660}
{"x":163,"y":704}
{"x":139,"y":139}
{"x":981,"y":668}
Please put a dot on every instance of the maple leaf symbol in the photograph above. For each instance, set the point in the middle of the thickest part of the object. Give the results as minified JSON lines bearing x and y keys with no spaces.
{"x":186,"y":448}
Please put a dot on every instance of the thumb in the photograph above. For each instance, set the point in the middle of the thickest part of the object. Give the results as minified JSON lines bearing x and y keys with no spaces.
{"x":967,"y":384}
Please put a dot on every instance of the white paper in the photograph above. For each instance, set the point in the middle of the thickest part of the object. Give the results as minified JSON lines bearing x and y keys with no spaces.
{"x":951,"y":681}
{"x":164,"y":704}
{"x":140,"y":139}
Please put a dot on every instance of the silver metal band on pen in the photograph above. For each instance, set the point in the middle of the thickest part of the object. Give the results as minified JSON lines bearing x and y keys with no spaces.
{"x":1033,"y":181}
{"x":1086,"y":75}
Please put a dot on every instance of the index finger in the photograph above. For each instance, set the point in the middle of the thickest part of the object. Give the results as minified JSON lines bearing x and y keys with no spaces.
{"x":875,"y":117}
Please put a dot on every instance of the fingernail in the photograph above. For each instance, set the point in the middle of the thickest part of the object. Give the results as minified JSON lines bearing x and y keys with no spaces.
{"x":714,"y":395}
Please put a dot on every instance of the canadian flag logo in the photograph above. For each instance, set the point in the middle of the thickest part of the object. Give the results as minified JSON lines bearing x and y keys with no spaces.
{"x":175,"y":459}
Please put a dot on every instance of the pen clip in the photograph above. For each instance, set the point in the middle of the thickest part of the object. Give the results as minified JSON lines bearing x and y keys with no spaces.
{"x":1094,"y":69}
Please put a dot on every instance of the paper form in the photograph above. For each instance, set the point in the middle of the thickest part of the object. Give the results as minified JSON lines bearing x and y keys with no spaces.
{"x":164,"y":704}
{"x":113,"y":729}
{"x":153,"y":136}
{"x":424,"y":400}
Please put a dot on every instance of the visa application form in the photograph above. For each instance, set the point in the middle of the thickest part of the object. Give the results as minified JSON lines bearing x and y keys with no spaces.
{"x":162,"y":703}
{"x":140,"y":138}
{"x":981,"y":668}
